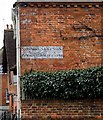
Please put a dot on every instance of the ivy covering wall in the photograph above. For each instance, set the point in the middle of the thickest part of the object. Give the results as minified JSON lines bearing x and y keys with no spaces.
{"x":72,"y":84}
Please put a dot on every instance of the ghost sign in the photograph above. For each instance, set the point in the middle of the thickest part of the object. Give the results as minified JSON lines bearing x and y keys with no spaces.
{"x":42,"y":52}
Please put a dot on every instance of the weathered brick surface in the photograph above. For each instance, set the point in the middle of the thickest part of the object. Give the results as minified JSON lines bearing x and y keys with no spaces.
{"x":62,"y":110}
{"x":4,"y":87}
{"x":77,"y":29}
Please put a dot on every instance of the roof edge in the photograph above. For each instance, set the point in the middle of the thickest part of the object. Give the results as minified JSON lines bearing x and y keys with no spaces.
{"x":59,"y":0}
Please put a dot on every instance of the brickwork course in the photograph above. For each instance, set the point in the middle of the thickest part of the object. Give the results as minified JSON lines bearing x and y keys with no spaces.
{"x":77,"y":27}
{"x":62,"y":110}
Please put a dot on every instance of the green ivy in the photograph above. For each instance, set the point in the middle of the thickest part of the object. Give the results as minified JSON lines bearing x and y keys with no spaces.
{"x":72,"y":84}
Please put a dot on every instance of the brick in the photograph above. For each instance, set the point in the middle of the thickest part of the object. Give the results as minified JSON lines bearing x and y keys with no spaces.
{"x":80,"y":109}
{"x":55,"y":27}
{"x":76,"y":27}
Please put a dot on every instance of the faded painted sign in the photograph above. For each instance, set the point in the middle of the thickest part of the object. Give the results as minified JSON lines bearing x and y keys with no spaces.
{"x":42,"y":52}
{"x":1,"y":69}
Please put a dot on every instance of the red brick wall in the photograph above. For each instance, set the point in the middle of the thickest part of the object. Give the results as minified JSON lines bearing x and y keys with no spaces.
{"x":62,"y":110}
{"x":79,"y":30}
{"x":4,"y":87}
{"x":76,"y":28}
{"x":12,"y":89}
